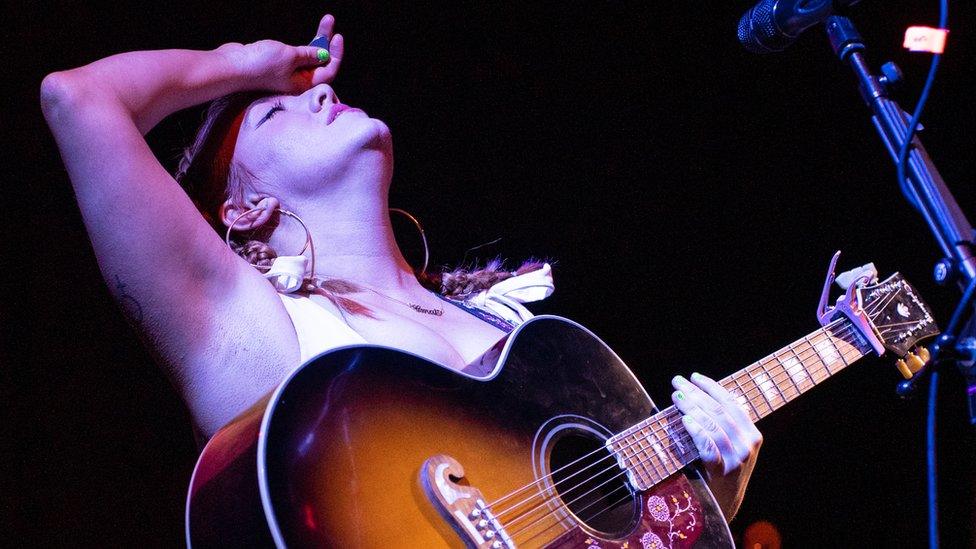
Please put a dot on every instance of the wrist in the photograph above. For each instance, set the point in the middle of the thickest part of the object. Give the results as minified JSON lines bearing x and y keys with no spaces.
{"x":232,"y":55}
{"x":218,"y":71}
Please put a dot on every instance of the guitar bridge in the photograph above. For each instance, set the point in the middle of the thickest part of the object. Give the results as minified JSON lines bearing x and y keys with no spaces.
{"x":463,"y":507}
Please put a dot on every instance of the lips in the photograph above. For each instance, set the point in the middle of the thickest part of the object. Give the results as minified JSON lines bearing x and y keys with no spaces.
{"x":336,"y":110}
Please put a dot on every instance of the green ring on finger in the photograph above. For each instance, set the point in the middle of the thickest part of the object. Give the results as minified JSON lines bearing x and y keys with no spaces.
{"x":322,"y":43}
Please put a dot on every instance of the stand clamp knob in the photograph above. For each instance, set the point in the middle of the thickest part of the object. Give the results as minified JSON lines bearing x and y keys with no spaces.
{"x":891,"y":76}
{"x":943,"y":272}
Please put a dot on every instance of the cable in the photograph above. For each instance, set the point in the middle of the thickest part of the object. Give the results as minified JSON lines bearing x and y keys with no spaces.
{"x":933,"y":491}
{"x":906,"y":188}
{"x":947,"y":338}
{"x":911,"y":195}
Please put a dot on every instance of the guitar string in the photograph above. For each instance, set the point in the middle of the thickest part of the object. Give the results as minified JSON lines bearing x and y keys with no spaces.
{"x":668,"y":419}
{"x":670,"y":414}
{"x":656,"y":431}
{"x":580,"y":496}
{"x":777,"y":378}
{"x":565,"y":504}
{"x":883,"y":303}
{"x":586,"y":520}
{"x":666,"y":423}
{"x":647,"y":422}
{"x":628,"y":495}
{"x":549,"y":498}
{"x":807,"y":340}
{"x":879,"y":326}
{"x":578,"y":513}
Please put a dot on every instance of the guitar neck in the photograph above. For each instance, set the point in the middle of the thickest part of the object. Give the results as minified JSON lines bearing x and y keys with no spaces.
{"x":659,"y":446}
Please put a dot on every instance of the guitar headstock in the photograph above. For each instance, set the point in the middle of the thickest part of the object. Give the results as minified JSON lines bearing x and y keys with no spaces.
{"x":889,"y":315}
{"x":900,"y":320}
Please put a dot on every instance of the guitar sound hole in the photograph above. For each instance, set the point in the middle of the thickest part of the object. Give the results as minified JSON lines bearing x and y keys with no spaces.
{"x":594,"y":488}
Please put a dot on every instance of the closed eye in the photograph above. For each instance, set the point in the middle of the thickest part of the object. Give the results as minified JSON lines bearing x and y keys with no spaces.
{"x":270,"y":114}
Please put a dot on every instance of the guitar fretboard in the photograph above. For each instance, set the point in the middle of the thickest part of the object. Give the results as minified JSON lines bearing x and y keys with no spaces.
{"x":659,"y":446}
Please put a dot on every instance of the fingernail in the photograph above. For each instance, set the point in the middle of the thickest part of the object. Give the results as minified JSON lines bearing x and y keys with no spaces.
{"x":696,"y":376}
{"x":679,"y":380}
{"x":323,"y":55}
{"x":679,"y":395}
{"x":687,"y":420}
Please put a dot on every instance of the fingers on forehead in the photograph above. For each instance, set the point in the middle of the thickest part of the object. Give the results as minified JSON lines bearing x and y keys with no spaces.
{"x":326,"y":24}
{"x":337,"y":46}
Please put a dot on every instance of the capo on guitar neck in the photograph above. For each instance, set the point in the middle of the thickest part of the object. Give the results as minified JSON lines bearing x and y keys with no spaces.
{"x":849,"y":304}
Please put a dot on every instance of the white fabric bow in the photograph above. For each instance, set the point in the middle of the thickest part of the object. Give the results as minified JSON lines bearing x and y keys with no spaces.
{"x":506,"y":298}
{"x":287,"y":272}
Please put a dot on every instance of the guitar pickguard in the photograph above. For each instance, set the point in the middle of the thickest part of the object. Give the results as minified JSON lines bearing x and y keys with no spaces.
{"x":671,"y":518}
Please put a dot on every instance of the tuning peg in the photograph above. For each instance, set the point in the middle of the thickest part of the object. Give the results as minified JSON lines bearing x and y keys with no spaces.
{"x":912,"y":362}
{"x":903,"y":368}
{"x":923,"y":353}
{"x":915,"y":363}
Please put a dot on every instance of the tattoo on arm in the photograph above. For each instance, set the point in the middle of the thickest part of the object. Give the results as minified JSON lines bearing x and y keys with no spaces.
{"x":130,"y":306}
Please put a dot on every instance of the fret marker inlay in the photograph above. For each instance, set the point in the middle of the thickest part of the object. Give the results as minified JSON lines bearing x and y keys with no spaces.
{"x":743,"y":402}
{"x":795,"y":369}
{"x":827,"y":352}
{"x":660,"y":453}
{"x":657,"y":447}
{"x":767,"y":387}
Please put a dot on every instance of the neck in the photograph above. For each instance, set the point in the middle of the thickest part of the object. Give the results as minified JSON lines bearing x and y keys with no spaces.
{"x":659,"y":446}
{"x":352,"y":238}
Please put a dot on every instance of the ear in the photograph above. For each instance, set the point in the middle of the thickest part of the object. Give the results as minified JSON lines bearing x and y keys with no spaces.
{"x":257,"y":210}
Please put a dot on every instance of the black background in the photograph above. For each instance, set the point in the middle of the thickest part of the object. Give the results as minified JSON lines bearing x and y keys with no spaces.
{"x":690,"y":192}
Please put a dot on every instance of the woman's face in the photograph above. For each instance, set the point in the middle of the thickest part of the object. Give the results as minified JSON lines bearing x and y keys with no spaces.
{"x":304,"y":144}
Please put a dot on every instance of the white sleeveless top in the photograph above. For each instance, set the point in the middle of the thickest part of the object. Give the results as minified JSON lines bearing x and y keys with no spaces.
{"x":319,"y":330}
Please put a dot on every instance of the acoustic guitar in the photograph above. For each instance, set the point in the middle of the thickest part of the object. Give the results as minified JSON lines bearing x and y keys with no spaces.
{"x":560,"y":446}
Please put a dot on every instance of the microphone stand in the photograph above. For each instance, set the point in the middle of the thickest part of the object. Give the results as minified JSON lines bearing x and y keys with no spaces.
{"x":945,"y":219}
{"x":951,"y":229}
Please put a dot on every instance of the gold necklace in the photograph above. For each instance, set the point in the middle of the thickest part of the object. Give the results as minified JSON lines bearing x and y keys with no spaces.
{"x":418,"y":308}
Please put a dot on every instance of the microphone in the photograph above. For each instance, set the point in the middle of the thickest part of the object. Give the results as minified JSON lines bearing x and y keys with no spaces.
{"x":772,"y":25}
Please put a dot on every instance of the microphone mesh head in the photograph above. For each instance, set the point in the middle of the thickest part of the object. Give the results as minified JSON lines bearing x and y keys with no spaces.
{"x":758,"y":32}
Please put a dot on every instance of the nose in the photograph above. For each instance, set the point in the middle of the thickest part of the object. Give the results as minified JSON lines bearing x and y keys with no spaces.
{"x":321,"y":96}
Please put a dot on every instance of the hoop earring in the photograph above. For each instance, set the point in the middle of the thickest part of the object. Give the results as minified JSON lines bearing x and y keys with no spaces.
{"x":423,"y":237}
{"x":308,"y":236}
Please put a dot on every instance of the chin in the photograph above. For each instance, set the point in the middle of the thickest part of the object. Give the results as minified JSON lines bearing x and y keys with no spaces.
{"x":379,"y":136}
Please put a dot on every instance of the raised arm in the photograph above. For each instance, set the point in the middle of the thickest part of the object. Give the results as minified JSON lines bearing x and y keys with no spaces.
{"x":133,"y":209}
{"x":175,"y":279}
